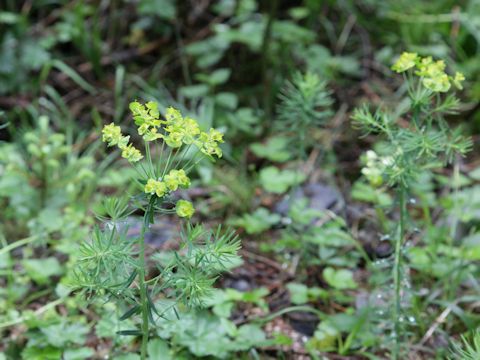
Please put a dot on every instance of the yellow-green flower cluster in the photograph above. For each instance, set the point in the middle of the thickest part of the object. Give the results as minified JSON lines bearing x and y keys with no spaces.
{"x":147,"y":119}
{"x":458,"y":79}
{"x":177,"y":178}
{"x":179,"y":130}
{"x":208,"y":142}
{"x":405,"y":61}
{"x":156,"y":187}
{"x":182,"y":130}
{"x":112,"y":135}
{"x":432,"y":73}
{"x":184,"y":209}
{"x":171,"y":182}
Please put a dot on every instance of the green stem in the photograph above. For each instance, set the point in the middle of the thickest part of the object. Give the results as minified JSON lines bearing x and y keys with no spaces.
{"x":141,"y":282}
{"x":167,"y":165}
{"x":455,"y":275}
{"x":37,"y":313}
{"x":397,"y":272}
{"x":380,"y":213}
{"x":18,"y":243}
{"x":44,"y":180}
{"x":266,"y":71}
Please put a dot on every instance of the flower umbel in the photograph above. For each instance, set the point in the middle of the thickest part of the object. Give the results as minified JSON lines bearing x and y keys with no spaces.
{"x":184,"y":209}
{"x":432,"y":73}
{"x":155,"y":187}
{"x":131,"y":153}
{"x":405,"y":61}
{"x":147,"y":119}
{"x":112,"y":135}
{"x":209,"y":143}
{"x":176,"y":178}
{"x":458,"y":79}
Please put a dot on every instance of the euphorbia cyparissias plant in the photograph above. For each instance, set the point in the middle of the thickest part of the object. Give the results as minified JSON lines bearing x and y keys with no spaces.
{"x":109,"y":263}
{"x":421,"y":142}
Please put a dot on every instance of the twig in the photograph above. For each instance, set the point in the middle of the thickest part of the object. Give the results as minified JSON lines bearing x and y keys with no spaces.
{"x":262,"y":259}
{"x":439,"y":320}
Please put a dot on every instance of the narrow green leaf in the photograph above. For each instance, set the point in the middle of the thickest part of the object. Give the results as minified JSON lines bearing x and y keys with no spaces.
{"x":129,"y":332}
{"x":132,"y":311}
{"x":72,"y":74}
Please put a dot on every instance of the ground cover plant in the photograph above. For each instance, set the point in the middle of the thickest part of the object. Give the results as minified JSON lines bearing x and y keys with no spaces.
{"x":239,"y":179}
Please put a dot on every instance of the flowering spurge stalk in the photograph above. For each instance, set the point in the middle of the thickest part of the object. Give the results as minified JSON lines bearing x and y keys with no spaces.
{"x":112,"y":266}
{"x":417,"y":140}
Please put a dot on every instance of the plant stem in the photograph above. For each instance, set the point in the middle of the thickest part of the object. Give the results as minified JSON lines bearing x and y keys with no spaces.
{"x":266,"y":65}
{"x":44,"y":181}
{"x":397,"y":272}
{"x":18,"y":243}
{"x":141,"y":282}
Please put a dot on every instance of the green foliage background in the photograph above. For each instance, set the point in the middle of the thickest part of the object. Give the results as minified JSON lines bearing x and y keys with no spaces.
{"x":281,"y":80}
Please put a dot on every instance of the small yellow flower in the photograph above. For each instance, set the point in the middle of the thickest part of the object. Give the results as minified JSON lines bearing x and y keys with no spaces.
{"x":216,"y":135}
{"x":423,"y":65}
{"x":190,"y":130}
{"x":150,"y":186}
{"x":458,"y":79}
{"x":181,"y":130}
{"x":405,"y":61}
{"x":152,"y":107}
{"x":112,"y":135}
{"x":173,"y":115}
{"x":184,"y":208}
{"x":183,"y":179}
{"x":161,"y":189}
{"x":142,"y":129}
{"x":208,"y":142}
{"x":176,"y":178}
{"x":146,"y":118}
{"x":152,"y":135}
{"x":131,"y":153}
{"x":428,"y":68}
{"x":439,"y":83}
{"x":174,"y":139}
{"x":155,"y":187}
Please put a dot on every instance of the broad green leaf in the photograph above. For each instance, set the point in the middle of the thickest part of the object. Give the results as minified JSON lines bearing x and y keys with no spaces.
{"x":78,"y":354}
{"x":164,"y":9}
{"x":257,"y":222}
{"x":64,"y":333}
{"x":324,"y":338}
{"x":364,"y":192}
{"x":41,"y":353}
{"x":274,"y":149}
{"x":227,"y":100}
{"x":40,"y":270}
{"x":158,"y":349}
{"x":339,"y":279}
{"x":201,"y":332}
{"x":298,"y":293}
{"x":215,"y":78}
{"x":127,"y":357}
{"x":279,"y":181}
{"x":248,"y":336}
{"x":194,"y":91}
